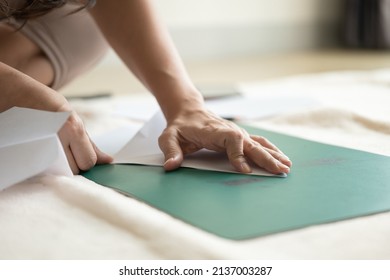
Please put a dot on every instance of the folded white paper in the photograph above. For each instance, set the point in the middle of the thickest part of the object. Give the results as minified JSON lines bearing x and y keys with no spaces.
{"x":29,"y":145}
{"x":143,"y":149}
{"x":253,"y":107}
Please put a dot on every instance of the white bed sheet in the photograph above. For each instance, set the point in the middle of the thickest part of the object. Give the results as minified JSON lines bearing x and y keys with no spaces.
{"x":53,"y":217}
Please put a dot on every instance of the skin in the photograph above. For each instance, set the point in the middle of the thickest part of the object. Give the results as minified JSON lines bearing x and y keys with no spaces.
{"x":131,"y":27}
{"x":24,"y":75}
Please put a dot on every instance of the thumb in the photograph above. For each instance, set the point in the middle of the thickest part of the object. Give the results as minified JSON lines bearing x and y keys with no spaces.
{"x":171,"y":149}
{"x":102,"y":158}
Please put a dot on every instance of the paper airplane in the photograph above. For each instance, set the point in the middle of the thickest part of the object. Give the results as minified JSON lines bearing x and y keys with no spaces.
{"x":29,"y":145}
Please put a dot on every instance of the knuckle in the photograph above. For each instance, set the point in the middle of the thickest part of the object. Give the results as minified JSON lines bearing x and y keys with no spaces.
{"x":161,"y":139}
{"x":167,"y":133}
{"x":236,"y":135}
{"x":75,"y":126}
{"x":163,"y":143}
{"x":237,"y":156}
{"x":253,"y":146}
{"x":270,"y":159}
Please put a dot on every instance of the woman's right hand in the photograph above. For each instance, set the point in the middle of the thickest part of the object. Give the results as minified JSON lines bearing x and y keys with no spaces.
{"x":81,"y":152}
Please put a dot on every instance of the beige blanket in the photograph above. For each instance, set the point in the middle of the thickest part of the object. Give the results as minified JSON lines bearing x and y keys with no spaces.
{"x":50,"y":217}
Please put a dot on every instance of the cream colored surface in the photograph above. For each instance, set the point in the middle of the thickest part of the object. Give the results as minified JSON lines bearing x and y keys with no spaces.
{"x":67,"y":218}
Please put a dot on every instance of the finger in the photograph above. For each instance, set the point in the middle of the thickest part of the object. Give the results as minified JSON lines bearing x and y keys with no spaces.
{"x":273,"y":150}
{"x":102,"y":158}
{"x":265,"y":143}
{"x":280,"y":157}
{"x":235,"y":152}
{"x":71,"y":161}
{"x":83,"y":152}
{"x":170,"y":146}
{"x":264,"y":159}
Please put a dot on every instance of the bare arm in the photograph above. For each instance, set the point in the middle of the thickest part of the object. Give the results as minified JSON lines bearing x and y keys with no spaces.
{"x":18,"y":89}
{"x":136,"y":34}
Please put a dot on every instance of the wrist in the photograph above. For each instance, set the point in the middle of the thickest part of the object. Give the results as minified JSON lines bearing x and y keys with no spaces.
{"x":182,"y":104}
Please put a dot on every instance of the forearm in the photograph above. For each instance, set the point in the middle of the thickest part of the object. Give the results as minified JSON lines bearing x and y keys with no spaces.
{"x":134,"y":31}
{"x":18,"y":89}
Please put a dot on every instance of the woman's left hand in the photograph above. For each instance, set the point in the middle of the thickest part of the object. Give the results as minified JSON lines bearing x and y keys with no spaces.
{"x":192,"y":131}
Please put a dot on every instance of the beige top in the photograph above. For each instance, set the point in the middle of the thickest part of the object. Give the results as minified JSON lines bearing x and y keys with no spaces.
{"x":72,"y":41}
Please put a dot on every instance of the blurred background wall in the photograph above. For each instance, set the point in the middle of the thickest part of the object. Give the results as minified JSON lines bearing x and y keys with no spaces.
{"x":207,"y":29}
{"x":223,"y":42}
{"x":218,"y":28}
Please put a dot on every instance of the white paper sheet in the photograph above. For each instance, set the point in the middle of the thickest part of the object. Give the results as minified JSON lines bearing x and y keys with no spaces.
{"x":257,"y":107}
{"x":138,"y":108}
{"x":113,"y":140}
{"x":143,"y":149}
{"x":29,"y":145}
{"x":251,"y":106}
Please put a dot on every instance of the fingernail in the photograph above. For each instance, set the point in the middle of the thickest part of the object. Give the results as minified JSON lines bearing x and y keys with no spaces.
{"x":168,"y":160}
{"x":288,"y":160}
{"x":174,"y":158}
{"x":283,"y":167}
{"x":285,"y":157}
{"x":245,"y":168}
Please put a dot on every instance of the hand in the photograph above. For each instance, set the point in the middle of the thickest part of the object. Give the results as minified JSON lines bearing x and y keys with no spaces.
{"x":81,"y":152}
{"x":193,"y":131}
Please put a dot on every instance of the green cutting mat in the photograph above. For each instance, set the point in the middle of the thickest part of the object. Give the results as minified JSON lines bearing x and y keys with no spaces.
{"x":326,"y":184}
